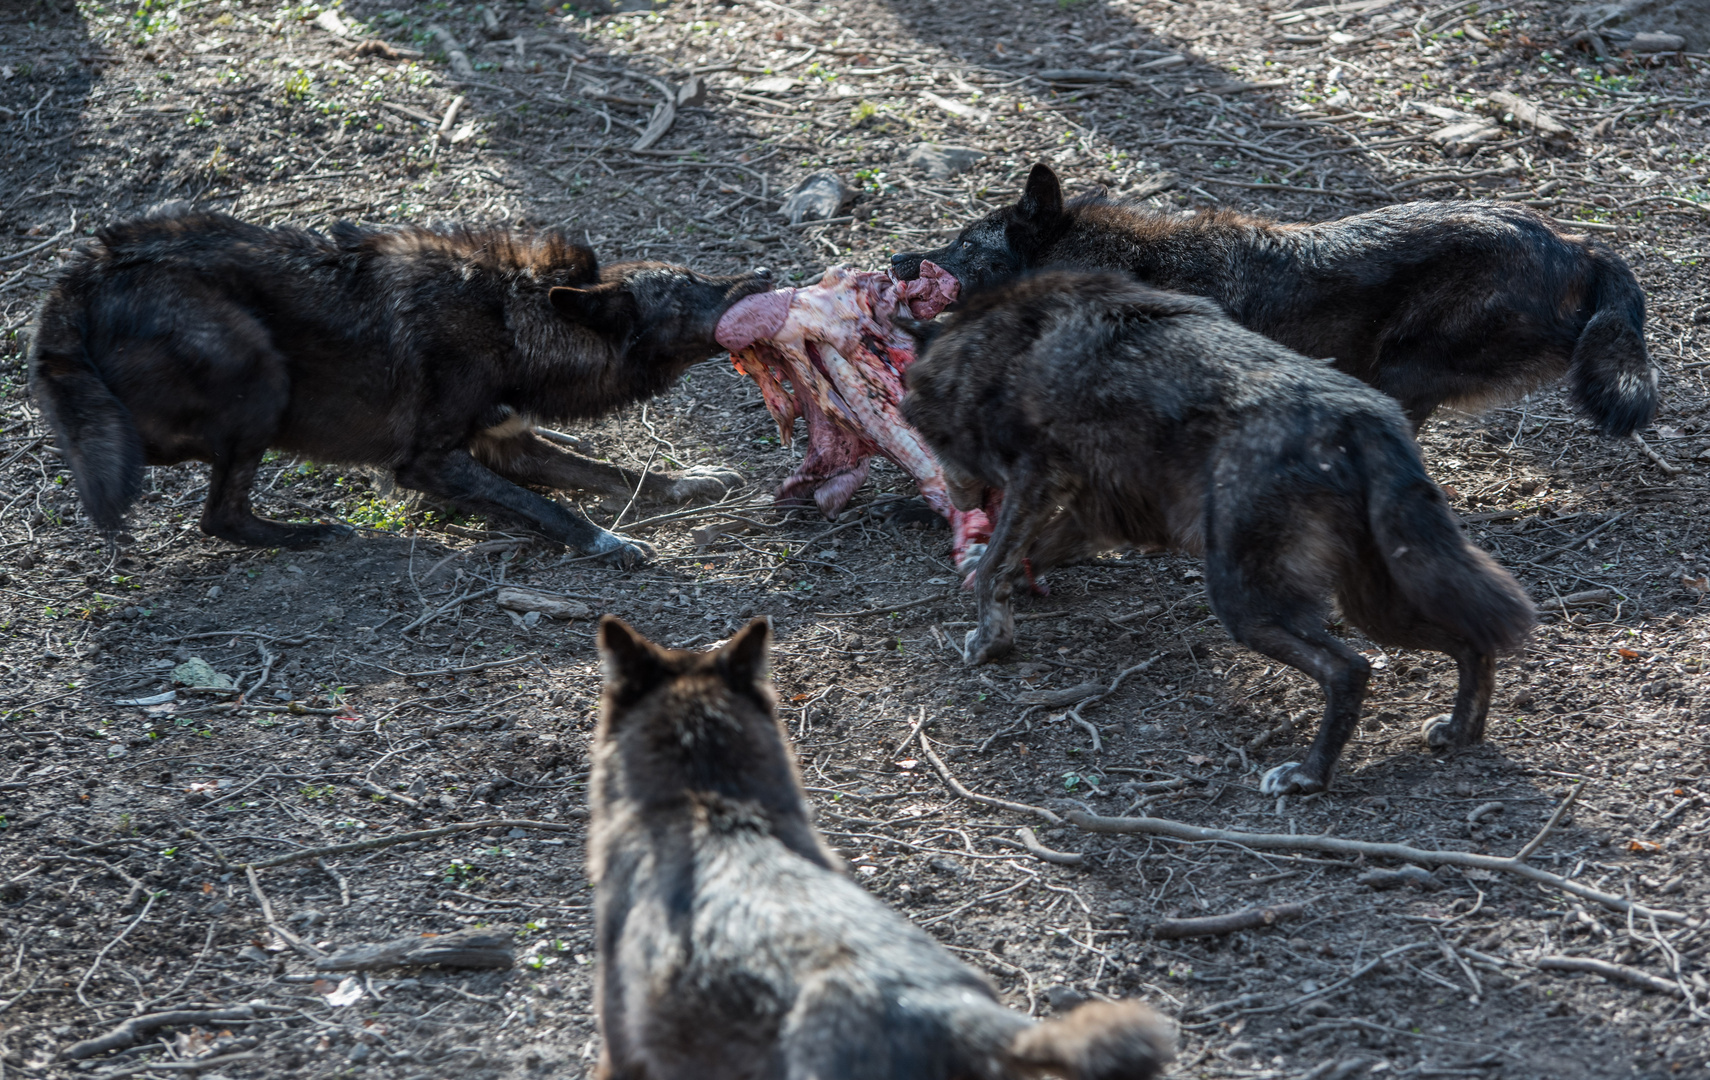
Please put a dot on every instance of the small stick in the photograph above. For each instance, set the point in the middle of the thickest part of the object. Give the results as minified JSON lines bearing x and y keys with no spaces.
{"x":464,"y":599}
{"x":1040,"y":851}
{"x":1661,"y":462}
{"x":451,"y":112}
{"x":956,"y":785}
{"x":102,"y":955}
{"x":404,"y":838}
{"x":343,"y":885}
{"x":273,"y":924}
{"x":912,"y":732}
{"x":1532,"y":845}
{"x":132,"y":1031}
{"x":1218,"y":925}
{"x":1612,"y":972}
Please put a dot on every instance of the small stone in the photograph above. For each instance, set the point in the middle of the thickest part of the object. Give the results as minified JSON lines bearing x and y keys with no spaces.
{"x":816,"y":197}
{"x":1064,"y":998}
{"x":1656,"y":43}
{"x":942,"y":162}
{"x":197,"y":673}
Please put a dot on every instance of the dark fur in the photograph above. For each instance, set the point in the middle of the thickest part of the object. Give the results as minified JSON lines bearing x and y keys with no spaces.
{"x":194,"y":336}
{"x":1112,"y":414}
{"x":731,"y":944}
{"x":1432,"y":302}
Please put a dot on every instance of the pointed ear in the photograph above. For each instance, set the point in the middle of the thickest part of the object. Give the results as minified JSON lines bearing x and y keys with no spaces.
{"x":1042,"y":200}
{"x":743,"y":660}
{"x":606,"y":309}
{"x":630,"y":662}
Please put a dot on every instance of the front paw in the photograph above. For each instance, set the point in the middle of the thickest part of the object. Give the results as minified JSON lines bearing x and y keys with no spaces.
{"x":1290,"y":778}
{"x":704,"y":482}
{"x":623,"y":552}
{"x":979,"y":647}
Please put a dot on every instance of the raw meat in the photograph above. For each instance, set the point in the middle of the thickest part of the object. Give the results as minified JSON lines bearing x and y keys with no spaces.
{"x":833,"y":355}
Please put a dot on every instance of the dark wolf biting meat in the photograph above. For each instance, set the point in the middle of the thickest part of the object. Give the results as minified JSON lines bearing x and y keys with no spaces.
{"x":194,"y":336}
{"x":832,"y":355}
{"x":732,"y":945}
{"x":1112,"y":414}
{"x":1463,"y":303}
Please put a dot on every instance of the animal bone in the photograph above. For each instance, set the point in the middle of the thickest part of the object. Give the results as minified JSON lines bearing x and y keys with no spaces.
{"x":833,"y":355}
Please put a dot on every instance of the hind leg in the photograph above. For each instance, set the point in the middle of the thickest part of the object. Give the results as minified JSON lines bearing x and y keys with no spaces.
{"x":1465,"y":725}
{"x":1342,"y":674}
{"x":227,"y":513}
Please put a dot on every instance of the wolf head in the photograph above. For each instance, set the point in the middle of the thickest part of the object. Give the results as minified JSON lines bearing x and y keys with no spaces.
{"x":1005,"y":242}
{"x":657,"y":314}
{"x":698,"y":732}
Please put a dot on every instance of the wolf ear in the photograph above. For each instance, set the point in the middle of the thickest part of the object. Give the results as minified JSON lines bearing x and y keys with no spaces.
{"x":631,"y":663}
{"x":743,"y":660}
{"x":1042,"y":200}
{"x":606,"y":309}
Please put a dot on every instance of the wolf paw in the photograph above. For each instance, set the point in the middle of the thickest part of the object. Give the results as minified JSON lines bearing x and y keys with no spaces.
{"x":1289,"y":778}
{"x":978,"y":648}
{"x":1439,"y":732}
{"x":704,"y":482}
{"x":622,"y":552}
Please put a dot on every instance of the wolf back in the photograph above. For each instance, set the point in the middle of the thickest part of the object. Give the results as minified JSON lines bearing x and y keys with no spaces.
{"x":731,"y":943}
{"x":195,"y":336}
{"x":1463,"y":303}
{"x":1112,"y":414}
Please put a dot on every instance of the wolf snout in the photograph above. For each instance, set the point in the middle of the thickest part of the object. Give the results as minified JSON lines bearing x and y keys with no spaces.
{"x":905,"y":265}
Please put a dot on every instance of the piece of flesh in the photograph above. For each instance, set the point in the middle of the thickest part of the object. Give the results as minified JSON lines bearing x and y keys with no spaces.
{"x":832,"y":355}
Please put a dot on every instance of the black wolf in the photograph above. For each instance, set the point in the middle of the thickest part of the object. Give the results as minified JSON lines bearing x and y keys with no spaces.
{"x":194,"y":336}
{"x":1433,"y":302}
{"x":731,"y":944}
{"x":1111,"y":414}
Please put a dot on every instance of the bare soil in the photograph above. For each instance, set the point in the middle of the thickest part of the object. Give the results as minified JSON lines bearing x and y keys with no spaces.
{"x":123,"y":888}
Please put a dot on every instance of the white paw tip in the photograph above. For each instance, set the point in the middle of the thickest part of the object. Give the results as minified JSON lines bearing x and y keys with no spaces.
{"x":1276,"y":780}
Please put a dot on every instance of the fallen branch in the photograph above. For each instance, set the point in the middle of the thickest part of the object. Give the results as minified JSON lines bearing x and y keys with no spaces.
{"x":132,"y":1031}
{"x":1612,"y":972}
{"x":1661,"y":462}
{"x":1218,"y":925}
{"x":986,"y":800}
{"x":404,"y":838}
{"x":273,"y":924}
{"x":523,"y":659}
{"x":1039,"y":851}
{"x":464,"y":949}
{"x":1146,"y":826}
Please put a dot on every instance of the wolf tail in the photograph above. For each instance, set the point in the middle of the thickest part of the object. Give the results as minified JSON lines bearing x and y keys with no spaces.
{"x":1453,"y":583}
{"x":96,"y":433}
{"x":1100,"y":1040}
{"x":1613,"y":380}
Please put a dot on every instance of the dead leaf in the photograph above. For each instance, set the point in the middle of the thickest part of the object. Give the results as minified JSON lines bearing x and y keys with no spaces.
{"x":801,"y":697}
{"x":1627,"y":655}
{"x":1644,"y":847}
{"x":1198,"y":759}
{"x":1696,"y":584}
{"x":907,"y":764}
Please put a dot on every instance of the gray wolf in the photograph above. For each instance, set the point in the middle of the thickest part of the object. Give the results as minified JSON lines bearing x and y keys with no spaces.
{"x":1463,"y":303}
{"x":1112,"y":414}
{"x":731,"y":944}
{"x":185,"y":335}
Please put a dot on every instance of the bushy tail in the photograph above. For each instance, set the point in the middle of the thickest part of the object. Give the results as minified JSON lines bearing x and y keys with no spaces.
{"x":1100,"y":1040}
{"x":1453,"y":583}
{"x":97,"y":436}
{"x":1613,"y":380}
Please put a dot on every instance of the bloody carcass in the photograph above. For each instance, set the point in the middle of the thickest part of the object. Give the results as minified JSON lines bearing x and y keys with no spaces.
{"x":833,"y":355}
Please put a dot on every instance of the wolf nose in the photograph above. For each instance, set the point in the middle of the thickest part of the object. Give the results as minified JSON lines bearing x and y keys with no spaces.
{"x":763,"y":272}
{"x":900,"y":257}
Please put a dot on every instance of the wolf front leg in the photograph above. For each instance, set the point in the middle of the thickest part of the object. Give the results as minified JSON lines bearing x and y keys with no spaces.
{"x":458,"y":477}
{"x":1025,"y":511}
{"x":525,"y":458}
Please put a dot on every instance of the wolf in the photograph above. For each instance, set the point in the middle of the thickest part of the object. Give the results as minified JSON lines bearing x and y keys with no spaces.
{"x":1464,"y":303}
{"x":1113,"y":414}
{"x":186,"y":335}
{"x":732,"y":946}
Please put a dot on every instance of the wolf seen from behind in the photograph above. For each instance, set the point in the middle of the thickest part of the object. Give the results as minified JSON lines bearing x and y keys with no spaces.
{"x":731,"y":944}
{"x":1458,"y":303}
{"x":1112,"y":414}
{"x":185,"y":335}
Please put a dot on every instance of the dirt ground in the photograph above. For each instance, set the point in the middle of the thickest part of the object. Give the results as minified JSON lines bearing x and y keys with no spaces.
{"x":384,"y":692}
